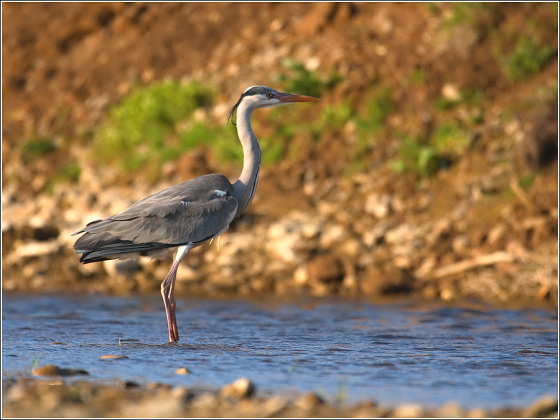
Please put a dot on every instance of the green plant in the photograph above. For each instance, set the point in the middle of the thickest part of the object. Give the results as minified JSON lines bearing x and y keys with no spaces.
{"x":471,"y":14}
{"x":335,"y":116}
{"x":301,"y":80}
{"x":71,"y":171}
{"x":528,"y":57}
{"x":426,"y":158}
{"x":451,"y":140}
{"x":138,"y":128}
{"x":379,"y":107}
{"x":422,"y":159}
{"x":526,"y":181}
{"x":37,"y":148}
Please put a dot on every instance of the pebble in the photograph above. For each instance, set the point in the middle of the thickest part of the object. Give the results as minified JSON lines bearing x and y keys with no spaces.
{"x":408,"y":411}
{"x":378,"y":205}
{"x":239,"y":389}
{"x":182,"y":371}
{"x":544,"y":407}
{"x":309,"y":401}
{"x":53,"y":370}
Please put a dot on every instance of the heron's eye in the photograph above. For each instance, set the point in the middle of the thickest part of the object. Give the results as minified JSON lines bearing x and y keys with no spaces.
{"x":269,"y":95}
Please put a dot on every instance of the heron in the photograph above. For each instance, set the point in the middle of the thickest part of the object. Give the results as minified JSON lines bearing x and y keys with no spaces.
{"x":186,"y":215}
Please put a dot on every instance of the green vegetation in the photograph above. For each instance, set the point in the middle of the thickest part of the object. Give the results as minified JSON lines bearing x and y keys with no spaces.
{"x":425,"y":158}
{"x":138,"y":128}
{"x":157,"y":123}
{"x":528,"y":57}
{"x":379,"y":106}
{"x":422,"y":159}
{"x":301,"y":80}
{"x":369,"y":125}
{"x":37,"y":148}
{"x":526,"y":181}
{"x":71,"y":172}
{"x":451,"y":140}
{"x":471,"y":14}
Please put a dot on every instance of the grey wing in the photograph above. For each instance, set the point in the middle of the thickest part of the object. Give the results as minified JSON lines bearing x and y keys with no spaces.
{"x":191,"y":212}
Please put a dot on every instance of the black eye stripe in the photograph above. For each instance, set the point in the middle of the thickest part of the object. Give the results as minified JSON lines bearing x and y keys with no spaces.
{"x":258,"y":90}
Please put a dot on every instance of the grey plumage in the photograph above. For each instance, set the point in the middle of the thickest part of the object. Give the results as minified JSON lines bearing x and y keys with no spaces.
{"x":161,"y":221}
{"x":188,"y":214}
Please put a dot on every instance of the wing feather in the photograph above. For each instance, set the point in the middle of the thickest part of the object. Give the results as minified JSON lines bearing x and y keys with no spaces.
{"x":190,"y":212}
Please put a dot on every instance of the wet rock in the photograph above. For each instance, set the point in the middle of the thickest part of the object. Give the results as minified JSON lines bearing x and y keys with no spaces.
{"x":388,"y":280}
{"x":182,"y":371}
{"x":53,"y":370}
{"x":239,"y":389}
{"x":113,"y":356}
{"x":325,"y":268}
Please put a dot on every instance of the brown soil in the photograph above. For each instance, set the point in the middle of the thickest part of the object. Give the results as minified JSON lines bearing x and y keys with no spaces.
{"x":64,"y":65}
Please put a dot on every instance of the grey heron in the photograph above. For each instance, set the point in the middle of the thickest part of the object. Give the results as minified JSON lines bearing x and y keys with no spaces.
{"x":188,"y":214}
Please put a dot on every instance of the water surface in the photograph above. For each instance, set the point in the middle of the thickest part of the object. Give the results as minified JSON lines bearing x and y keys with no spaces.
{"x":344,"y":350}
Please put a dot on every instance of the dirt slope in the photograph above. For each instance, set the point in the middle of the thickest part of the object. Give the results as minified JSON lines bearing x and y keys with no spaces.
{"x":469,"y":230}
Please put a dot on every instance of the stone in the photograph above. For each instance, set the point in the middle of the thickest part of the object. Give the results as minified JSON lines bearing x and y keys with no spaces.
{"x":53,"y":370}
{"x":309,"y":401}
{"x":239,"y":389}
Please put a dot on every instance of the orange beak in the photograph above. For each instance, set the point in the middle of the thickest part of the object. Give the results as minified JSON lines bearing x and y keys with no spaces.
{"x":290,"y":97}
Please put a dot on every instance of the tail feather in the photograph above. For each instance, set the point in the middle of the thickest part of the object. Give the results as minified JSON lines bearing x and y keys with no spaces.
{"x":96,"y":247}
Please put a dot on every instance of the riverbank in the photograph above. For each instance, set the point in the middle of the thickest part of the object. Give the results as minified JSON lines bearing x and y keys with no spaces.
{"x":57,"y":398}
{"x":428,"y":172}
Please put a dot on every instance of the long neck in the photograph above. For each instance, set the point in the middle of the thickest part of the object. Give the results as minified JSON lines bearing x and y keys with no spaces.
{"x":244,"y":188}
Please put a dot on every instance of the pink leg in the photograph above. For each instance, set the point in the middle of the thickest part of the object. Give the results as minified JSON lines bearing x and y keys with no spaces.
{"x":168,"y":294}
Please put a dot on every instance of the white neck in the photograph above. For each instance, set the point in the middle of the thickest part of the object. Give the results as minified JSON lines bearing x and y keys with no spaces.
{"x":244,"y":188}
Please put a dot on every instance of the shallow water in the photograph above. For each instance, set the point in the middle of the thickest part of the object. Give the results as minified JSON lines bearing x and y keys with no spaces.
{"x":344,"y":350}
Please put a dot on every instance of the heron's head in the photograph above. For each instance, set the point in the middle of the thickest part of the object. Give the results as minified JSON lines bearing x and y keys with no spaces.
{"x":263,"y":97}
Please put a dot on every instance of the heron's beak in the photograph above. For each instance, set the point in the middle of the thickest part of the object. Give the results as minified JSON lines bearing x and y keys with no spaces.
{"x":289,"y":98}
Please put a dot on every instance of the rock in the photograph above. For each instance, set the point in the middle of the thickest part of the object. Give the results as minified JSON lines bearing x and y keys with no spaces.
{"x":309,"y":401}
{"x":113,"y":356}
{"x":388,"y":280}
{"x":325,"y":268}
{"x":378,"y":205}
{"x":333,"y":235}
{"x":122,"y":267}
{"x":239,"y":389}
{"x":286,"y":236}
{"x":408,"y":411}
{"x":450,"y":410}
{"x":182,"y":371}
{"x":205,"y":402}
{"x":544,"y":407}
{"x":460,"y":244}
{"x":37,"y":249}
{"x":272,"y":407}
{"x":451,"y":92}
{"x":53,"y":370}
{"x":401,"y":234}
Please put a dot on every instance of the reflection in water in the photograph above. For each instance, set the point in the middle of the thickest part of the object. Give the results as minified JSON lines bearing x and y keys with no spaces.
{"x":390,"y":353}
